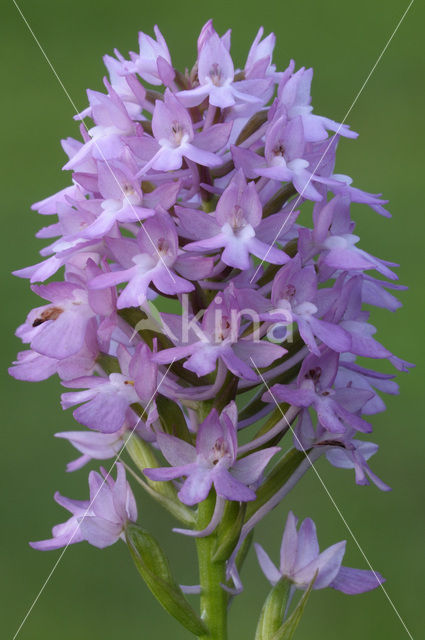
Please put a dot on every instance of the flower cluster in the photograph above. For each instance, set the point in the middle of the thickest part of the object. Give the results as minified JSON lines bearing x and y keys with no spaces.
{"x":195,"y":303}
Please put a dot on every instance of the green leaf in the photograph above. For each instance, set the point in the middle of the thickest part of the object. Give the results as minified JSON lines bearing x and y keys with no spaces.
{"x":146,"y":326}
{"x":287,"y":630}
{"x":273,"y":610}
{"x":172,"y":418}
{"x":154,"y":568}
{"x":144,"y":457}
{"x":165,"y":493}
{"x":108,"y":363}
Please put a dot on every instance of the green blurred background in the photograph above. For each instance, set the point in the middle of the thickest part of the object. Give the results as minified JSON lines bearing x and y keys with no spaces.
{"x":95,"y":594}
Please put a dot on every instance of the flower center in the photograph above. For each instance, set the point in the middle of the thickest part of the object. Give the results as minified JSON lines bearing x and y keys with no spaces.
{"x":216,"y":74}
{"x":163,"y":246}
{"x":224,"y":329}
{"x":314,"y":374}
{"x":289,"y":292}
{"x":237,"y":220}
{"x":178,"y":132}
{"x":219,"y":451}
{"x":279,"y":150}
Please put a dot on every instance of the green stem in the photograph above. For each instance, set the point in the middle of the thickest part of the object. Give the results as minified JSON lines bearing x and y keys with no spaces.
{"x":211,"y":574}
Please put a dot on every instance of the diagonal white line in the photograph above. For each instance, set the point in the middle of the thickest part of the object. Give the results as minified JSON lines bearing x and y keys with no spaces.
{"x":331,"y":498}
{"x":117,"y":457}
{"x":336,"y":133}
{"x":94,"y":141}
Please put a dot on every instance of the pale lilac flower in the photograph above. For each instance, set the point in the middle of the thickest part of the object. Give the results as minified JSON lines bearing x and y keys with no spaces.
{"x":285,"y":158}
{"x":212,"y":462}
{"x":342,"y":450}
{"x":333,"y":237}
{"x":106,"y":400}
{"x":336,"y":409}
{"x":92,"y":445}
{"x":149,"y":258}
{"x":301,"y":562}
{"x":216,"y":78}
{"x":294,"y":299}
{"x":101,"y":520}
{"x":33,"y":367}
{"x":294,"y":96}
{"x":126,"y":86}
{"x":121,"y":198}
{"x":68,"y":532}
{"x":351,"y":374}
{"x":259,"y":61}
{"x":58,"y":330}
{"x":175,"y":138}
{"x":112,"y":121}
{"x":353,"y":454}
{"x":237,"y":215}
{"x":73,"y":218}
{"x":145,"y":63}
{"x":344,"y":302}
{"x":218,"y":337}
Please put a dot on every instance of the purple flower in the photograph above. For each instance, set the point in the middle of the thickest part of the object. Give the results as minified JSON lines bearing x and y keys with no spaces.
{"x":101,"y":520}
{"x":351,"y":374}
{"x":259,"y":61}
{"x":343,"y":451}
{"x":112,"y":122}
{"x":212,"y":462}
{"x":147,"y":259}
{"x":218,"y":337}
{"x":336,"y":407}
{"x":73,"y":219}
{"x":294,"y":96}
{"x":216,"y":78}
{"x":285,"y":158}
{"x":238,"y":213}
{"x":121,"y":199}
{"x":344,"y":307}
{"x":353,"y":454}
{"x":33,"y":366}
{"x":92,"y":445}
{"x":107,"y":400}
{"x":145,"y":63}
{"x":58,"y":330}
{"x":175,"y":138}
{"x":127,"y":86}
{"x":333,"y":236}
{"x":301,"y":562}
{"x":294,"y":298}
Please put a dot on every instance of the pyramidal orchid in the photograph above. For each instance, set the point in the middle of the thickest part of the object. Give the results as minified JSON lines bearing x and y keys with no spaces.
{"x":204,"y":330}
